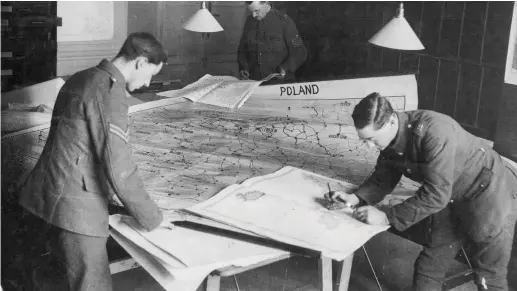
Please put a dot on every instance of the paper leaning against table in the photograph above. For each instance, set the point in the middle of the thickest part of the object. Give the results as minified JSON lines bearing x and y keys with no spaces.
{"x":287,"y":206}
{"x":224,"y":91}
{"x":180,"y":258}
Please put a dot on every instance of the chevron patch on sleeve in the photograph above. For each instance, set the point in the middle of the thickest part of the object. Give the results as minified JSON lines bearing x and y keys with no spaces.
{"x":119,"y":132}
{"x":297,"y":41}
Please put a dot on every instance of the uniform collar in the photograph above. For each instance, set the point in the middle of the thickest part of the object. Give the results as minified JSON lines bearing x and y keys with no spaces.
{"x":400,"y":142}
{"x":268,"y":15}
{"x":115,"y":73}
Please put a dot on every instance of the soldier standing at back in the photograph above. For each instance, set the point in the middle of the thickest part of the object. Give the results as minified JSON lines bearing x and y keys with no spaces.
{"x":269,"y":44}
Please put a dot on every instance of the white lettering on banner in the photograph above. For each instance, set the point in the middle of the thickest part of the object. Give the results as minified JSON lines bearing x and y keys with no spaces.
{"x":299,"y":90}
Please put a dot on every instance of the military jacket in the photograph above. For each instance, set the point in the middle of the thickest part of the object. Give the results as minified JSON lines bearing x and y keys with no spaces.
{"x":87,"y":158}
{"x":270,"y":43}
{"x":452,"y":166}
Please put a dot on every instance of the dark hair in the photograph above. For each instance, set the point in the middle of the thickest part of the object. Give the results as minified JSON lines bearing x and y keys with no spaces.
{"x":372,"y":109}
{"x":261,"y":2}
{"x":143,"y":44}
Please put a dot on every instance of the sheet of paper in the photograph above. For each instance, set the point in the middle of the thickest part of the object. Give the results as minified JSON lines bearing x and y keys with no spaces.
{"x":230,"y":94}
{"x":169,"y":271}
{"x":171,"y":93}
{"x":288,"y":206}
{"x":270,"y":76}
{"x":224,"y":91}
{"x":200,"y":88}
{"x":41,"y":93}
{"x":197,"y":248}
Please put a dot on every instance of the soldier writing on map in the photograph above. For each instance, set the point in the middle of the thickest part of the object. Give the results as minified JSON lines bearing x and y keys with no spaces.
{"x":270,"y":43}
{"x":87,"y":159}
{"x":467,"y":190}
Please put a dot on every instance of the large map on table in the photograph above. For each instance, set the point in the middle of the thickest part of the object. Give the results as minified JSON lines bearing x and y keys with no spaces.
{"x":187,"y":152}
{"x":288,"y":206}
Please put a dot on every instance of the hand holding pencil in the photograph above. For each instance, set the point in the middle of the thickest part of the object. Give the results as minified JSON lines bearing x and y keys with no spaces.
{"x":340,"y":199}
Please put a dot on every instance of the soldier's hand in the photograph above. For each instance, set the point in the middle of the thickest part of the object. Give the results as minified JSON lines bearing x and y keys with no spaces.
{"x":339,"y":196}
{"x":282,"y":73}
{"x":371,"y":215}
{"x":337,"y":200}
{"x":245,"y":75}
{"x":169,"y":217}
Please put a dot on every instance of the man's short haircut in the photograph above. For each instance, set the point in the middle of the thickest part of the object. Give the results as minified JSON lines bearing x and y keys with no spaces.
{"x":261,"y":2}
{"x":372,"y":109}
{"x":143,"y":44}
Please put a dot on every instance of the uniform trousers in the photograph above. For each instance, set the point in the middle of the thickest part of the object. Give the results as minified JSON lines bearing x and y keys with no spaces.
{"x":84,"y":258}
{"x":445,"y":238}
{"x":486,"y":223}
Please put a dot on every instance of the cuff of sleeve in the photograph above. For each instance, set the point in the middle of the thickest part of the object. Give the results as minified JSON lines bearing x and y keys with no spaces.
{"x":364,"y":199}
{"x":154,"y":222}
{"x":362,"y":202}
{"x":244,"y":67}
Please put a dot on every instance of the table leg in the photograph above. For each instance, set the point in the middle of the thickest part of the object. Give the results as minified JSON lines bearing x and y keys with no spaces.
{"x":343,"y":275}
{"x":213,"y":283}
{"x":325,"y":271}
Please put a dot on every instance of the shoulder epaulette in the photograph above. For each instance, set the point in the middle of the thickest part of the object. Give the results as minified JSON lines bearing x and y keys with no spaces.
{"x":418,"y":128}
{"x":113,"y":80}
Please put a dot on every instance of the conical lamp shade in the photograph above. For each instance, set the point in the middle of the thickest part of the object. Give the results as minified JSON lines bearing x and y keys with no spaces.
{"x":202,"y":21}
{"x":397,"y":34}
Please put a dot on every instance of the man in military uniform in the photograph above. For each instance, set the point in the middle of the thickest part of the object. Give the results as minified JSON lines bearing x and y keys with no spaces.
{"x":87,"y":159}
{"x":467,"y":190}
{"x":269,"y":44}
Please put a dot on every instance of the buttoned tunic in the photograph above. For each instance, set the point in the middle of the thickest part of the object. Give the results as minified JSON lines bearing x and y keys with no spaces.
{"x":87,"y":158}
{"x":454,"y":168}
{"x":270,"y":43}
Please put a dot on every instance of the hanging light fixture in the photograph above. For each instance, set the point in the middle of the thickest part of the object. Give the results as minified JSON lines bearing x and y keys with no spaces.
{"x":397,"y":34}
{"x":202,"y":21}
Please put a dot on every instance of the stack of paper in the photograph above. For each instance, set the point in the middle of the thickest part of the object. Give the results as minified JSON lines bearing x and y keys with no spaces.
{"x":180,"y":258}
{"x":224,"y":91}
{"x":288,"y":206}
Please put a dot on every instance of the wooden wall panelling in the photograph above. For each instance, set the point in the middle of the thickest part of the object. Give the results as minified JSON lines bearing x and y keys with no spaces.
{"x":473,"y":31}
{"x":431,"y":26}
{"x":506,"y":130}
{"x":427,"y":82}
{"x":447,"y":87}
{"x":409,"y":63}
{"x":335,"y":34}
{"x":220,"y":48}
{"x":185,"y":48}
{"x":497,"y":30}
{"x":489,"y":98}
{"x":390,"y":60}
{"x":142,"y":16}
{"x":451,"y":29}
{"x":506,"y":134}
{"x":468,"y":95}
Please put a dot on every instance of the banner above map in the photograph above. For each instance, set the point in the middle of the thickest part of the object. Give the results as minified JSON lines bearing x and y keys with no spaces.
{"x":403,"y":85}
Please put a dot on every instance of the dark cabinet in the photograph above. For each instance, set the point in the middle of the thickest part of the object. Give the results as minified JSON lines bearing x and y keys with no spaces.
{"x":29,"y":42}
